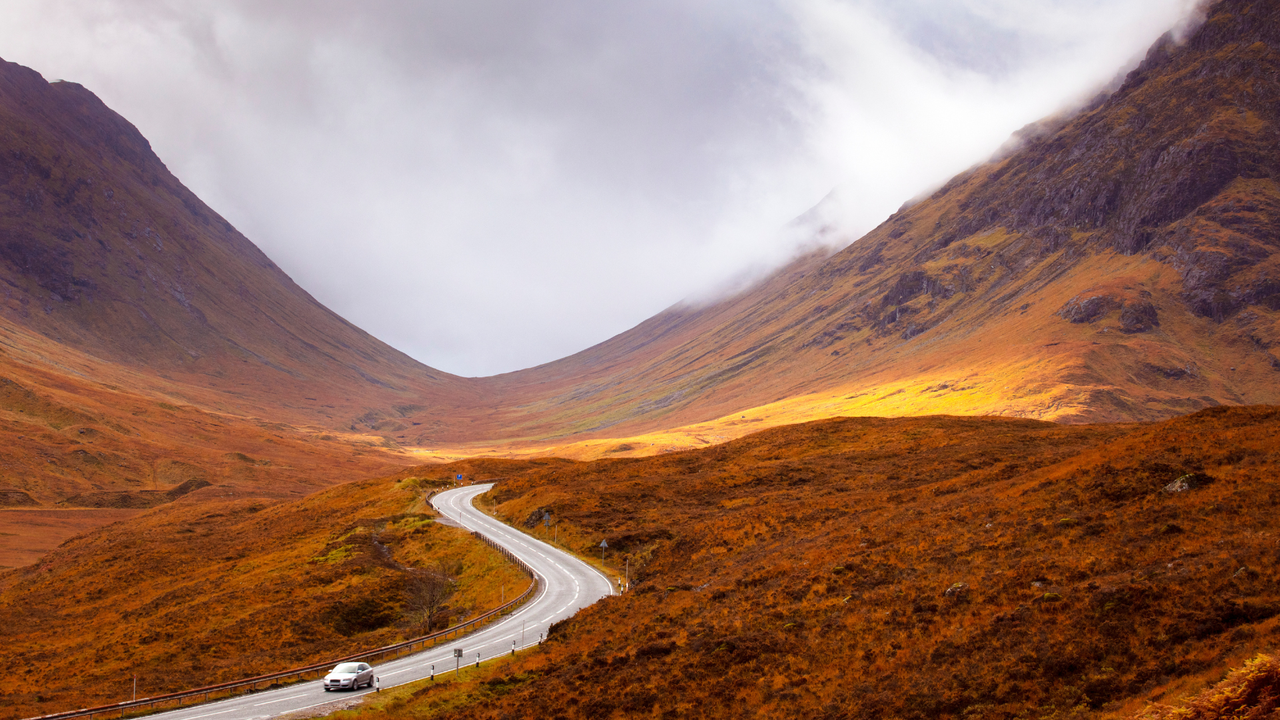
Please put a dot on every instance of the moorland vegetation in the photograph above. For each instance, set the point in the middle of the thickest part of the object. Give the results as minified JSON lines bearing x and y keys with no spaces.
{"x":911,"y":568}
{"x":194,"y":594}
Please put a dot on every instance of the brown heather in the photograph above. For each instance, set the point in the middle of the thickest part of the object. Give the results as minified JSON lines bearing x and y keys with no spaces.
{"x":911,"y":568}
{"x":1250,"y":693}
{"x":193,"y":594}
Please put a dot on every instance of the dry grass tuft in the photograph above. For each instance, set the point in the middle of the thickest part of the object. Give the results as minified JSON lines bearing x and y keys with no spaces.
{"x":1249,"y":693}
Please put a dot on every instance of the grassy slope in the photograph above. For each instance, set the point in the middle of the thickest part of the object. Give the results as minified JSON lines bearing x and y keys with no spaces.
{"x":197,"y":593}
{"x":1251,"y":692}
{"x":804,"y":571}
{"x":75,"y":438}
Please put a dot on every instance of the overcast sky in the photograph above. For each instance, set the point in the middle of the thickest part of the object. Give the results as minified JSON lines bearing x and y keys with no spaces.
{"x":490,"y":185}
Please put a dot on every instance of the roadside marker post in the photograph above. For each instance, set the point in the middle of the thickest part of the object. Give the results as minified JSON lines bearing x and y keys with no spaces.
{"x":457,"y":661}
{"x":513,"y":648}
{"x":477,"y":660}
{"x":433,"y":673}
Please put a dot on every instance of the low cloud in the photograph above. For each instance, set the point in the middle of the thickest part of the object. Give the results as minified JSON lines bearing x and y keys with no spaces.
{"x":488,"y":186}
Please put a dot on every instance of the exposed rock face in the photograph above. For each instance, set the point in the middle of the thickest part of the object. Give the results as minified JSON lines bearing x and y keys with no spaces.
{"x":10,"y":497}
{"x":1139,"y":316}
{"x":1181,"y":163}
{"x":1088,"y":309}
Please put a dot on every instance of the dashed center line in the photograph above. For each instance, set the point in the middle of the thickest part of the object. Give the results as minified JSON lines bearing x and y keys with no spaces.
{"x":279,"y":700}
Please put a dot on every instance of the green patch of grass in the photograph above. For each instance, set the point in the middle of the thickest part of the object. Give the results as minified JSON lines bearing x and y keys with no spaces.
{"x":336,"y":555}
{"x":413,"y":522}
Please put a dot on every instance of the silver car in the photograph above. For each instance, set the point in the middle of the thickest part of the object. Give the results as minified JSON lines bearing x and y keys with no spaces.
{"x":349,"y":676}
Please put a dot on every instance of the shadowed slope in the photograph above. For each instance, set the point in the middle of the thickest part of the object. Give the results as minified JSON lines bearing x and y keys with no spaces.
{"x":103,"y":250}
{"x":139,"y":333}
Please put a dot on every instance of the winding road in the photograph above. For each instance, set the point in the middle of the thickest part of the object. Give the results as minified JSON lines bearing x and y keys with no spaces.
{"x":568,"y":584}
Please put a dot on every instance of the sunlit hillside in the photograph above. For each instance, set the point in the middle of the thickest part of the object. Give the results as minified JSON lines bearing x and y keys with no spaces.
{"x":914,"y":567}
{"x":1117,"y":263}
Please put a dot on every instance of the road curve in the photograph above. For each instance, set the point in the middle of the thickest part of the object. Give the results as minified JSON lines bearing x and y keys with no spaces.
{"x":568,"y":585}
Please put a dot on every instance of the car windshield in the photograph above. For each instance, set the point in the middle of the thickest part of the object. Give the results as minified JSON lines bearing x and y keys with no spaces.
{"x":347,"y":668}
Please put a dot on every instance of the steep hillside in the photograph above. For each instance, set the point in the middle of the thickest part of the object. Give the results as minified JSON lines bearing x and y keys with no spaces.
{"x":149,"y":351}
{"x":103,"y":250}
{"x":82,"y":446}
{"x":1119,"y":264}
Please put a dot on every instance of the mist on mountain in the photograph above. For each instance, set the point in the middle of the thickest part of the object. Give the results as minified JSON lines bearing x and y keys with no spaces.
{"x":456,"y":180}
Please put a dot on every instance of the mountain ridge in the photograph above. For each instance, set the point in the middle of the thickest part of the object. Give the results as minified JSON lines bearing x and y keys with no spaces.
{"x":1118,"y":265}
{"x":98,"y":234}
{"x":1155,"y":171}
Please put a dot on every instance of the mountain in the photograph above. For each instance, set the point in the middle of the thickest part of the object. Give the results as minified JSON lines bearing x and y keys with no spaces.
{"x":1118,"y":263}
{"x":104,"y":251}
{"x":149,"y":353}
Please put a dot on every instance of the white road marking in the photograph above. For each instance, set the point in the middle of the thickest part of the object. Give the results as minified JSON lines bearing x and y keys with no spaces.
{"x":291,"y":697}
{"x":220,"y":712}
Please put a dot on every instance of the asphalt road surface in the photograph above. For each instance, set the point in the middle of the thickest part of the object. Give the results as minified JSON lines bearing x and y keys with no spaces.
{"x":568,"y":585}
